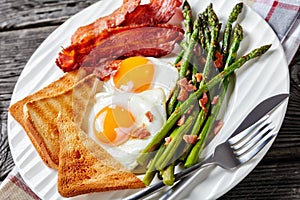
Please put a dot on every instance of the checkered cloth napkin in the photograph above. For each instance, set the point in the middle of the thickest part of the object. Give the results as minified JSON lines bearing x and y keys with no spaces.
{"x":282,"y":16}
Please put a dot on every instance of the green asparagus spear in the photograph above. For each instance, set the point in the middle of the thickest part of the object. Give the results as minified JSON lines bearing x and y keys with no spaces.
{"x":151,"y":171}
{"x":159,"y":137}
{"x":237,"y":38}
{"x":168,"y":175}
{"x":213,"y":19}
{"x":179,"y":57}
{"x":195,"y":152}
{"x":166,"y":157}
{"x":197,"y":149}
{"x":204,"y":24}
{"x":237,"y":9}
{"x":186,"y":61}
{"x":214,"y":23}
{"x":210,"y":54}
{"x":195,"y":130}
{"x":203,"y":40}
{"x":188,"y":20}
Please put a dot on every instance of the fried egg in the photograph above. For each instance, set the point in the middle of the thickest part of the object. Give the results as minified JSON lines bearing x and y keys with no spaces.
{"x":116,"y":116}
{"x":137,"y":74}
{"x":140,"y":86}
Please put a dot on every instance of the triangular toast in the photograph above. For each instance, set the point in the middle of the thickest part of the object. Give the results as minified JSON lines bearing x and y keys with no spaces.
{"x":59,"y":86}
{"x":86,"y":167}
{"x":37,"y":112}
{"x":40,"y":116}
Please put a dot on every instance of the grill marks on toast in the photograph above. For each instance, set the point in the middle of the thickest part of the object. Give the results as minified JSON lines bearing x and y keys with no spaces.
{"x":18,"y":110}
{"x":85,"y":167}
{"x":41,"y":114}
{"x":41,"y":121}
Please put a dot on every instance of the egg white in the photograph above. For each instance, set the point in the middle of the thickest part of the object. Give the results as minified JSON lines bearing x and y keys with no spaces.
{"x":138,"y":105}
{"x":153,"y":100}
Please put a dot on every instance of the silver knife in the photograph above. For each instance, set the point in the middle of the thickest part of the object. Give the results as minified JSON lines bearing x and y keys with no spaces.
{"x":257,"y":113}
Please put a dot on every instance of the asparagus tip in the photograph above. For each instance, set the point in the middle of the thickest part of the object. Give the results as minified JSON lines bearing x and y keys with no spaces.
{"x":186,"y":5}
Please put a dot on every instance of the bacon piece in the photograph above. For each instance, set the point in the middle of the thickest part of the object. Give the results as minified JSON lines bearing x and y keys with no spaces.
{"x":190,"y":139}
{"x":140,"y":133}
{"x":203,"y":101}
{"x":190,"y":109}
{"x":218,"y":125}
{"x":149,"y":115}
{"x":219,"y":60}
{"x":183,"y":95}
{"x":181,"y":121}
{"x":145,"y":40}
{"x":186,"y":85}
{"x":168,"y":140}
{"x":185,"y":88}
{"x":85,"y":33}
{"x":198,"y":77}
{"x":215,"y":100}
{"x":157,"y":11}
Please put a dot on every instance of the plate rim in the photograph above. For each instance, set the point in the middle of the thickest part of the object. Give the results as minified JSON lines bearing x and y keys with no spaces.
{"x":23,"y":74}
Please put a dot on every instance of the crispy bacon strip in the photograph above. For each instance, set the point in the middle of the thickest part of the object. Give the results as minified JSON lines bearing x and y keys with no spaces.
{"x":85,"y":33}
{"x":130,"y":13}
{"x":157,"y":11}
{"x":145,"y":40}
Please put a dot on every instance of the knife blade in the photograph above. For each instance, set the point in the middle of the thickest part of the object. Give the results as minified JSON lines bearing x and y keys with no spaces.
{"x":260,"y":110}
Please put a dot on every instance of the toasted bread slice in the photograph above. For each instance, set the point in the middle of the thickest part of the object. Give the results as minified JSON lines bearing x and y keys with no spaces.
{"x":86,"y":167}
{"x":59,"y":86}
{"x":40,"y":117}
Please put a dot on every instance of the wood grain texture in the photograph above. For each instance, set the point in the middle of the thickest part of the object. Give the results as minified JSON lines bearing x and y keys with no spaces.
{"x":25,"y":24}
{"x":36,"y":13}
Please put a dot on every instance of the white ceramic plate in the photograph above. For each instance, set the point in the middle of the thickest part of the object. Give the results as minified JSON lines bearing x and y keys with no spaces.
{"x":257,"y":80}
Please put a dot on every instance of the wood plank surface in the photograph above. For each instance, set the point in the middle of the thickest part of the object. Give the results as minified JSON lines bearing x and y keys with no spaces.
{"x":26,"y":14}
{"x":25,"y":24}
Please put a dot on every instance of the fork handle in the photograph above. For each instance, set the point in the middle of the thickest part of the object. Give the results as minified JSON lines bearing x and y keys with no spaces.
{"x":180,"y":175}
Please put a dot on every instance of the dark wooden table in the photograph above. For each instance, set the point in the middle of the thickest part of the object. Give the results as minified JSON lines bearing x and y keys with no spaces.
{"x":25,"y":24}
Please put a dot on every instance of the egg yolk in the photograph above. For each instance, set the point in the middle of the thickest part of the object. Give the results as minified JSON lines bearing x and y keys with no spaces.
{"x":112,"y":125}
{"x":135,"y":74}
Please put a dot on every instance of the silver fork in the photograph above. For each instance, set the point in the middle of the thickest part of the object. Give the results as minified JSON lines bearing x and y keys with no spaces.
{"x":237,"y":150}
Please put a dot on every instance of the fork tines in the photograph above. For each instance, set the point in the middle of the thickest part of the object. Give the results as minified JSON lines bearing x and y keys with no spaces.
{"x":249,"y":142}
